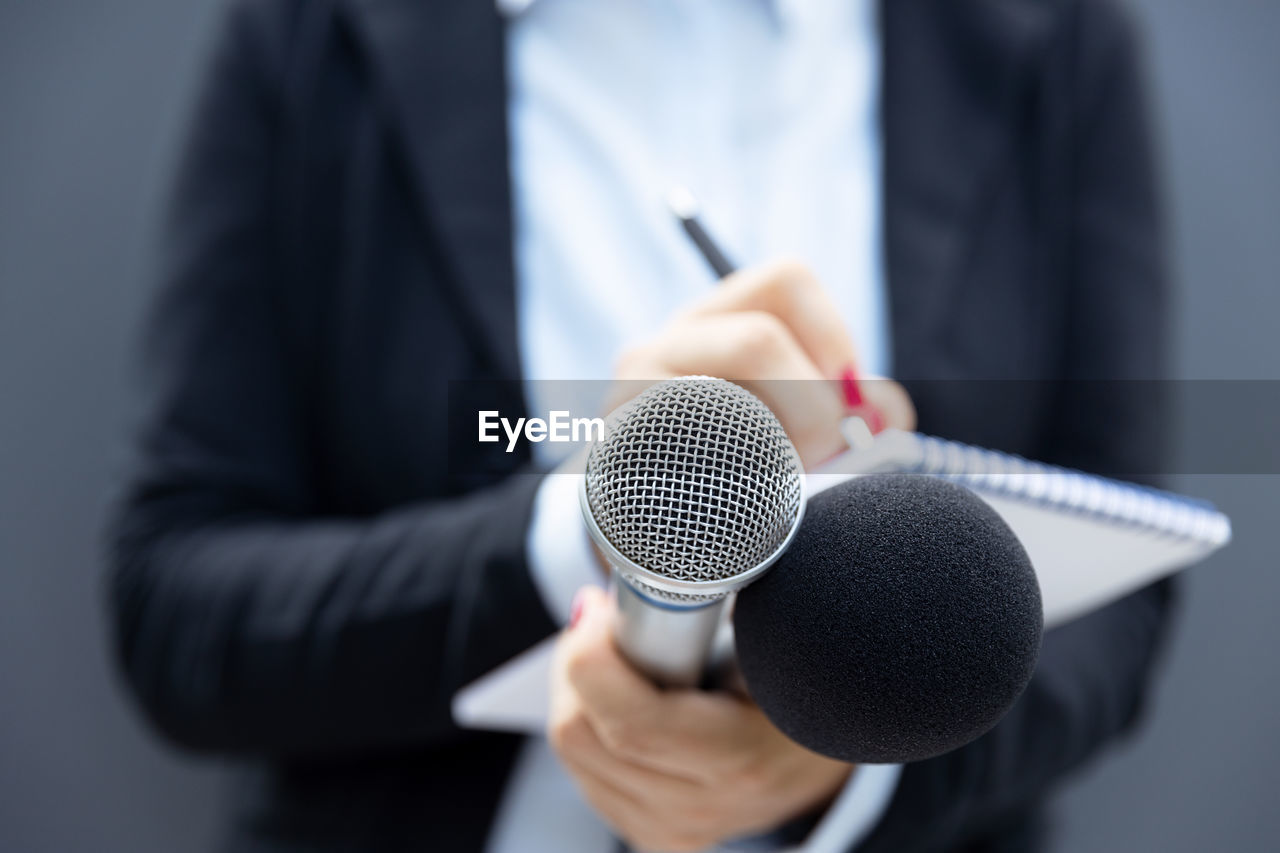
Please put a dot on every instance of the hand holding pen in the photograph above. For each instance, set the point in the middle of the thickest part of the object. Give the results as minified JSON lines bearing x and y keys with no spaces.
{"x":766,"y":327}
{"x":791,"y":292}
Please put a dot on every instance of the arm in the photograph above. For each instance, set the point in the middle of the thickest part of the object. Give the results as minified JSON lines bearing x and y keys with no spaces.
{"x":245,"y":621}
{"x":1094,"y":673}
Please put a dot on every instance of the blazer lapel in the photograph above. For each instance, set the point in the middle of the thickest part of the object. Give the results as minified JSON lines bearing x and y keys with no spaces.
{"x":440,"y":69}
{"x":950,"y":74}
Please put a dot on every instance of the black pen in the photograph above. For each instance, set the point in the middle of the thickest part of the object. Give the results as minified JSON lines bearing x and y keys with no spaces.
{"x":859,"y":429}
{"x":685,"y":207}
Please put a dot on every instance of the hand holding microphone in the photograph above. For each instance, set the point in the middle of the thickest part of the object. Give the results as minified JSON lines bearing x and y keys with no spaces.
{"x":678,"y":768}
{"x":902,"y":621}
{"x":672,"y":769}
{"x":609,"y":723}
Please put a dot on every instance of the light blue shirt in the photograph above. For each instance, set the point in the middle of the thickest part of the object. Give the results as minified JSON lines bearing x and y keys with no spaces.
{"x":768,"y":111}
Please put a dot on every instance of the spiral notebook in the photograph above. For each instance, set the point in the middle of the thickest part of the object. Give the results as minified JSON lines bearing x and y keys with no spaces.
{"x":1090,"y":539}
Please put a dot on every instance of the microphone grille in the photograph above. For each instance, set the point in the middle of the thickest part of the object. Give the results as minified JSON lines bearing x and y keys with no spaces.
{"x":696,"y":480}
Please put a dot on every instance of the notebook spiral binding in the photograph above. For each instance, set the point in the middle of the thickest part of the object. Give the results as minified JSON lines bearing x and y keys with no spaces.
{"x":1002,"y":474}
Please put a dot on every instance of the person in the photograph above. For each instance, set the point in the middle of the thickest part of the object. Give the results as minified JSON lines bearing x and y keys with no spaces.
{"x":381,"y":201}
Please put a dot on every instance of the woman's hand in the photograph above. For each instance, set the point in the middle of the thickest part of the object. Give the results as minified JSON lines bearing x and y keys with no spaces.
{"x":672,"y":769}
{"x":774,"y":330}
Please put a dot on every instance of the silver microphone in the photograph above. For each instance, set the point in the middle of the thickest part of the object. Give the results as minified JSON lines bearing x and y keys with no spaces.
{"x":693,"y":493}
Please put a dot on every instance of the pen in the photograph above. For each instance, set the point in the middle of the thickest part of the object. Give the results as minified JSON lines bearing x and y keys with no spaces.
{"x":684,"y":206}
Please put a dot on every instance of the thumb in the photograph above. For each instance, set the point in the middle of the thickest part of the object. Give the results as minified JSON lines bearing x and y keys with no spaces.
{"x":587,"y":640}
{"x":590,"y":613}
{"x":589,"y":617}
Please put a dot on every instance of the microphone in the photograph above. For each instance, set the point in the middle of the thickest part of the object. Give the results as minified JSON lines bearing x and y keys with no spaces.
{"x":903,"y":622}
{"x":693,"y":493}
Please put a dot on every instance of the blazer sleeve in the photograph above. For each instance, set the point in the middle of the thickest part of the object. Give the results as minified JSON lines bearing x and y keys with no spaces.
{"x":1094,"y":672}
{"x":244,"y":621}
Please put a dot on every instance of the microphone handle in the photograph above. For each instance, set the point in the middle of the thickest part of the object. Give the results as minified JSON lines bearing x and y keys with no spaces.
{"x":670,"y":644}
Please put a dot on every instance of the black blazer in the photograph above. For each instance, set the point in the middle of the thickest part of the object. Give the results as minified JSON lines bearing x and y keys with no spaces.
{"x":302,"y":576}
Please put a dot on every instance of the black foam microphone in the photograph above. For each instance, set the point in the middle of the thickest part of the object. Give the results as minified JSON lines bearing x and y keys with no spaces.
{"x":902,"y":622}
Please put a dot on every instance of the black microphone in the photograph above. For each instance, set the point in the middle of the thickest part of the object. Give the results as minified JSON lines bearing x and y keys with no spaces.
{"x":902,"y":622}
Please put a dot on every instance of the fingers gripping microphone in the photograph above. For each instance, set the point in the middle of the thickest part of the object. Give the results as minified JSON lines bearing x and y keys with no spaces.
{"x":902,"y":623}
{"x":693,"y":493}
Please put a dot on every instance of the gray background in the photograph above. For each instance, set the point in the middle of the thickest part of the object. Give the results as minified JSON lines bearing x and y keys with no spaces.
{"x":91,"y":98}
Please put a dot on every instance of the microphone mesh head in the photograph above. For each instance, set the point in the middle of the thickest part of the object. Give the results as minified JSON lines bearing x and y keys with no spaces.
{"x":696,"y":480}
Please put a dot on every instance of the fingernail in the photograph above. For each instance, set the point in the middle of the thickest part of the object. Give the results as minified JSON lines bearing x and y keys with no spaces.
{"x":875,"y":420}
{"x":849,"y":383}
{"x":575,"y":609}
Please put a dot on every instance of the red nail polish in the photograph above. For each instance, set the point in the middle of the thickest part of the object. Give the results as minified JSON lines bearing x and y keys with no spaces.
{"x":575,"y":609}
{"x":852,"y":393}
{"x":875,"y":420}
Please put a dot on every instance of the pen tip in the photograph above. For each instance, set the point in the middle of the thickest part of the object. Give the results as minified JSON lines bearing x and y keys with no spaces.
{"x":682,"y":202}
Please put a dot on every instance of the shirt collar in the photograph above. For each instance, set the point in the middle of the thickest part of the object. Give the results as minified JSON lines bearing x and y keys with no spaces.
{"x":512,"y":8}
{"x":786,"y":12}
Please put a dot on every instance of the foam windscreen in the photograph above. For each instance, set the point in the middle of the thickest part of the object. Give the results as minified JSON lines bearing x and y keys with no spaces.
{"x":902,"y":623}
